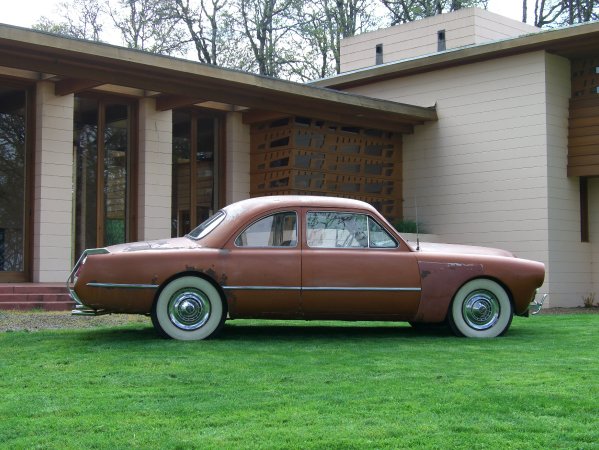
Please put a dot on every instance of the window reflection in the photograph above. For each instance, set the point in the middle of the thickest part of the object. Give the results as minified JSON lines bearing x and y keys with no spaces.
{"x":195,"y":170}
{"x":12,"y":179}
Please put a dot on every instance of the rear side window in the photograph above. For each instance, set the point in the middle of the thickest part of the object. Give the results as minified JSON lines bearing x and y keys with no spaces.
{"x":346,"y":230}
{"x":276,"y":230}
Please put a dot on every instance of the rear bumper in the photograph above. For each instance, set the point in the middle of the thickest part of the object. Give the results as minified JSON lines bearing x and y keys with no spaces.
{"x":80,"y":308}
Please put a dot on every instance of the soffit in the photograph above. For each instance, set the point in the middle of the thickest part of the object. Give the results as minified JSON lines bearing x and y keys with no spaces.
{"x":82,"y":63}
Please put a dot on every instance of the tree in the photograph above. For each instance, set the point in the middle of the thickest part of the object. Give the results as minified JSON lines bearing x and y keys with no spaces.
{"x":204,"y":25}
{"x":148,"y":25}
{"x":549,"y":13}
{"x":403,"y":11}
{"x":266,"y":25}
{"x":82,"y":20}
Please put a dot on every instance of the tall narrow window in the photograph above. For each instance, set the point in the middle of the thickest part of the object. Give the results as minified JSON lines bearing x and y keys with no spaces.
{"x":584,"y":209}
{"x":196,"y":174}
{"x":441,"y":40}
{"x":13,"y":183}
{"x":379,"y":54}
{"x":103,"y":160}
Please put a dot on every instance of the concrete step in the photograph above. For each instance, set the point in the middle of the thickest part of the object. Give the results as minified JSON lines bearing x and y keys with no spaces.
{"x":27,"y":296}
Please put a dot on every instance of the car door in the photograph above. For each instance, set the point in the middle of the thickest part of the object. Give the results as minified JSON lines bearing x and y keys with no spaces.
{"x":354,"y":268}
{"x":264,"y":268}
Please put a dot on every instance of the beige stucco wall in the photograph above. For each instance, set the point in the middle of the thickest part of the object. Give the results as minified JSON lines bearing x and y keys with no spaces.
{"x":155,"y":171}
{"x":464,"y":27}
{"x":53,"y":189}
{"x":238,"y":158}
{"x":479,"y":174}
{"x":594,"y":233}
{"x":569,"y":270}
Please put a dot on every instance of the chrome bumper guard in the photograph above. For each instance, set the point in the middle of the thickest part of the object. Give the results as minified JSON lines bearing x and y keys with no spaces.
{"x":80,"y":308}
{"x":535,"y":306}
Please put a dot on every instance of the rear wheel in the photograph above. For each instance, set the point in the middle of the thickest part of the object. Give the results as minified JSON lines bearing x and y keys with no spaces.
{"x":481,"y":308}
{"x":188,"y":308}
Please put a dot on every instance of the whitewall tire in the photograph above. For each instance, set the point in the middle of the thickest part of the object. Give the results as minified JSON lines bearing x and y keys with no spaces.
{"x":481,"y":308}
{"x":188,"y":308}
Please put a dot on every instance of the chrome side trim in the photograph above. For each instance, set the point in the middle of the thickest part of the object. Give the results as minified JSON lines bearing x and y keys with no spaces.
{"x":365,"y":289}
{"x":332,"y":288}
{"x":123,"y":285}
{"x":262,"y":288}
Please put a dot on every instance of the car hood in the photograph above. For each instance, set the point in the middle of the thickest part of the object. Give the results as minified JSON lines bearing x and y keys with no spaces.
{"x":181,"y":243}
{"x":429,"y":247}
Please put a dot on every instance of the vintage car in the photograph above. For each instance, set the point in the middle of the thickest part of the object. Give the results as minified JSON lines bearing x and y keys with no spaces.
{"x":304,"y":257}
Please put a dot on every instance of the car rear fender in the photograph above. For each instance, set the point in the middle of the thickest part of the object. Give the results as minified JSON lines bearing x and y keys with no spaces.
{"x":210,"y":277}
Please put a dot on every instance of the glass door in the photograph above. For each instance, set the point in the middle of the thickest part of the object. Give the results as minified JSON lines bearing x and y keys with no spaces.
{"x":102,"y":148}
{"x":13,"y":184}
{"x":196,"y":170}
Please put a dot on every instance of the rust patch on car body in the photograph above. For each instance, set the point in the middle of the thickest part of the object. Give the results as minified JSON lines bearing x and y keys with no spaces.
{"x":440,"y":281}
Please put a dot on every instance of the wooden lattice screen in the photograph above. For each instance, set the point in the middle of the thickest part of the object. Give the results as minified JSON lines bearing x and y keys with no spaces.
{"x":583,"y":133}
{"x":304,"y":156}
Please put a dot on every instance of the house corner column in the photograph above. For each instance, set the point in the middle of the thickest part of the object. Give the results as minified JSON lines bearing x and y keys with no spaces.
{"x":53,"y":185}
{"x":238,"y":158}
{"x":155,"y":171}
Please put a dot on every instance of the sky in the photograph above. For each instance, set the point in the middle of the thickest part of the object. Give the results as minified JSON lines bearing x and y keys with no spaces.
{"x":25,"y":13}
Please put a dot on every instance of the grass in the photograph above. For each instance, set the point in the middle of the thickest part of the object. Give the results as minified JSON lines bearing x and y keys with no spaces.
{"x":308,"y":385}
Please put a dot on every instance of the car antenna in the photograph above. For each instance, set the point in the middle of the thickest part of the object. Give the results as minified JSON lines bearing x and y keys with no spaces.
{"x":417,"y":231}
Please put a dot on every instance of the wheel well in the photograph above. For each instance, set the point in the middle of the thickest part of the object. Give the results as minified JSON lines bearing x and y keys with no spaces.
{"x":193,"y":273}
{"x":496,"y":280}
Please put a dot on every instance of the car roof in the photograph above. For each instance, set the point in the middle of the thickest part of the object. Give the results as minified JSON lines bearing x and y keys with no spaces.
{"x":282,"y":201}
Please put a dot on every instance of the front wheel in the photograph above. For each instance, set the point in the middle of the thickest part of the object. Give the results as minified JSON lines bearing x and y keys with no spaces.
{"x":188,"y":308}
{"x":481,"y":308}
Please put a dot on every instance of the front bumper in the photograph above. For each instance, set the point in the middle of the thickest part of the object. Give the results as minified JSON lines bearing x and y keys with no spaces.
{"x":535,"y":306}
{"x":80,"y":308}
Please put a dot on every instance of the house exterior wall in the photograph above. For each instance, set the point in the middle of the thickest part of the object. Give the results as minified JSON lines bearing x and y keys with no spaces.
{"x":410,"y":40}
{"x":480,"y":174}
{"x":53,"y":185}
{"x":238,"y":158}
{"x":570,"y":271}
{"x":155,"y":171}
{"x":594,"y":232}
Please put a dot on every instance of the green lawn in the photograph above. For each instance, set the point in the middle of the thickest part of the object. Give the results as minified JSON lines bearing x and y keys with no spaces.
{"x":309,"y":385}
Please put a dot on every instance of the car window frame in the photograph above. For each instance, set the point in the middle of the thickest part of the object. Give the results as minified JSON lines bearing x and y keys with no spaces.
{"x":361,"y":213}
{"x":215,"y":221}
{"x":244,"y":229}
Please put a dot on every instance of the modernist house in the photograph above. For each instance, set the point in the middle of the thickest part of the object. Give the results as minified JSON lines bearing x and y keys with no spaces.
{"x":488,"y":125}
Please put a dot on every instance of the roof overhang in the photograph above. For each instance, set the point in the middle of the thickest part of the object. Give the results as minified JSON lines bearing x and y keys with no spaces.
{"x":571,"y":42}
{"x":84,"y":65}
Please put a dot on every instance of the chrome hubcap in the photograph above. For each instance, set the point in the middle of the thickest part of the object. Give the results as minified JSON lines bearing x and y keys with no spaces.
{"x":481,"y":310}
{"x":189,"y":309}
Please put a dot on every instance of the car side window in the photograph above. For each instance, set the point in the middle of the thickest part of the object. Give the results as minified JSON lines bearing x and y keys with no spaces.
{"x":276,"y":230}
{"x":346,"y":230}
{"x":378,"y":236}
{"x":337,"y":230}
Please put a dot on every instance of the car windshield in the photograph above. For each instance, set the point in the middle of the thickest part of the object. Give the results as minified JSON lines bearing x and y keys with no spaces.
{"x":207,"y":226}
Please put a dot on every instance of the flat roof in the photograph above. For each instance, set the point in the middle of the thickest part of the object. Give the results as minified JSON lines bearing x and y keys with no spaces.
{"x":80,"y":65}
{"x":571,"y":42}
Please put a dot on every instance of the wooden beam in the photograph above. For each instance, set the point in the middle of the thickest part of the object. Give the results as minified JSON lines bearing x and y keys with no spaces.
{"x":257,"y":116}
{"x":165,"y":102}
{"x":74,"y":85}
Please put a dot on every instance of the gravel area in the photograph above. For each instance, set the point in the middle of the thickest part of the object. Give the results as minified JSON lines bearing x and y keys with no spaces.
{"x":44,"y":320}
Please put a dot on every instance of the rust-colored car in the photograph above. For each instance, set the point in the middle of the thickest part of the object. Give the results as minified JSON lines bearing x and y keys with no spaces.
{"x":304,"y":257}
